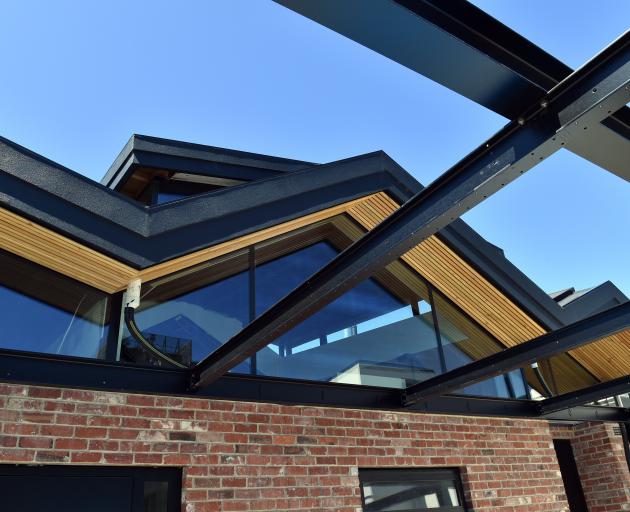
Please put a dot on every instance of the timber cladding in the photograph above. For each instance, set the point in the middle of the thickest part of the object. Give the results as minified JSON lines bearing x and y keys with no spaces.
{"x":54,"y":251}
{"x":433,"y":259}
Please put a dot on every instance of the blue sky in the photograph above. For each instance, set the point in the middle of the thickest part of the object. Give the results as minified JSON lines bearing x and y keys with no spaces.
{"x":81,"y":77}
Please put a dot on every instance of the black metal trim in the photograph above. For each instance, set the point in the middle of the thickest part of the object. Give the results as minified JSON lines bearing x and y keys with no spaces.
{"x":140,"y":475}
{"x":371,"y":476}
{"x":541,"y":379}
{"x":436,"y":328}
{"x":115,"y":308}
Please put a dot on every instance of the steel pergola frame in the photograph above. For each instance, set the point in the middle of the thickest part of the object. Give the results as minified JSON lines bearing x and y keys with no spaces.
{"x":557,"y":115}
{"x":549,"y":107}
{"x":583,"y":332}
{"x":461,"y":47}
{"x":580,"y":101}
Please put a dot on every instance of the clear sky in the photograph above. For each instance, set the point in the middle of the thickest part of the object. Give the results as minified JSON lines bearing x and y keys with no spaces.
{"x":80,"y":77}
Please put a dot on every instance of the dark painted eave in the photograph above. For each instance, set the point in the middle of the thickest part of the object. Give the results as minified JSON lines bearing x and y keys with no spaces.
{"x":598,"y":298}
{"x":107,"y":221}
{"x":192,"y":158}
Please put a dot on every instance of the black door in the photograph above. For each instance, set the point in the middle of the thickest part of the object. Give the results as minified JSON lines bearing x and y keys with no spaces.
{"x":77,"y":489}
{"x":570,"y":475}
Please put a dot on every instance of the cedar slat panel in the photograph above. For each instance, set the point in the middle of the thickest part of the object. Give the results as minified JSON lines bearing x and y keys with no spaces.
{"x":61,"y":254}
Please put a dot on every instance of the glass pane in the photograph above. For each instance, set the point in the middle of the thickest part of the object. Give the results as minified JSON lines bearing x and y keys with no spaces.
{"x":190,"y":314}
{"x":463,"y":342}
{"x":155,"y":496}
{"x":379,"y":333}
{"x":406,"y":490}
{"x":43,"y":311}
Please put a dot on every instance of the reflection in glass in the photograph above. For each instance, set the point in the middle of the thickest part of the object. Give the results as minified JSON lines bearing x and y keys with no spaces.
{"x":155,"y":496}
{"x":464,"y":341}
{"x":562,"y":373}
{"x":407,"y":490}
{"x":43,"y":311}
{"x":379,"y":333}
{"x":189,"y":315}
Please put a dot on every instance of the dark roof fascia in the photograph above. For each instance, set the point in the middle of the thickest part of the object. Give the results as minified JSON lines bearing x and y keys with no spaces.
{"x":70,"y":186}
{"x":599,"y":298}
{"x":236,"y":211}
{"x":192,"y":158}
{"x":103,"y":219}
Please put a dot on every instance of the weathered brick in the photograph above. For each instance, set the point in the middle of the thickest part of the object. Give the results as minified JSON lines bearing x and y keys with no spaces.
{"x":268,"y":457}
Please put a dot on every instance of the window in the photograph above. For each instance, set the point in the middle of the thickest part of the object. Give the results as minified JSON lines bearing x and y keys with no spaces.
{"x":410,"y":490}
{"x":190,"y":314}
{"x":463,"y":341}
{"x":43,"y":311}
{"x":379,"y":333}
{"x":98,"y":489}
{"x":391,"y":330}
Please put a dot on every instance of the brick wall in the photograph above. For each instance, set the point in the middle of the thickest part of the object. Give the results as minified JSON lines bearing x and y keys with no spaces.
{"x":266,"y":457}
{"x":602,"y":465}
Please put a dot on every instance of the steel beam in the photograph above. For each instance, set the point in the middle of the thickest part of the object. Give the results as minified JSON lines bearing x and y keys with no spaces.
{"x":501,"y":407}
{"x":587,"y":395}
{"x":477,"y":57}
{"x":74,"y":372}
{"x":579,"y":101}
{"x":567,"y":338}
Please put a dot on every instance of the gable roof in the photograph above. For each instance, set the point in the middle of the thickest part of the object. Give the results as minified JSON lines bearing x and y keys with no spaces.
{"x":159,"y":153}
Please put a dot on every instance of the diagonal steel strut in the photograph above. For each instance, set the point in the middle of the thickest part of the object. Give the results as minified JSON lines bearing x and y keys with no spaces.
{"x":562,"y":340}
{"x":583,"y":98}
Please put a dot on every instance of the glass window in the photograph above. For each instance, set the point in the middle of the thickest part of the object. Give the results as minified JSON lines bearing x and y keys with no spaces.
{"x":43,"y":311}
{"x":379,"y":333}
{"x":408,"y":490}
{"x":464,"y":341}
{"x":190,"y":314}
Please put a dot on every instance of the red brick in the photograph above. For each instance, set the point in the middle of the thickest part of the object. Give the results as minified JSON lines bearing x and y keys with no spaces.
{"x":268,"y":457}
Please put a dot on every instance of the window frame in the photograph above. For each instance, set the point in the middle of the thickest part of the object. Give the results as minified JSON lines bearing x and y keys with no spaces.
{"x":409,"y":475}
{"x":139,"y":474}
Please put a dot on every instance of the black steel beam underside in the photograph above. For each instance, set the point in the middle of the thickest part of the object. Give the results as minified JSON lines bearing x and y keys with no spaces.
{"x":461,"y":47}
{"x":588,"y":330}
{"x":580,"y":101}
{"x":72,"y":372}
{"x":593,"y":393}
